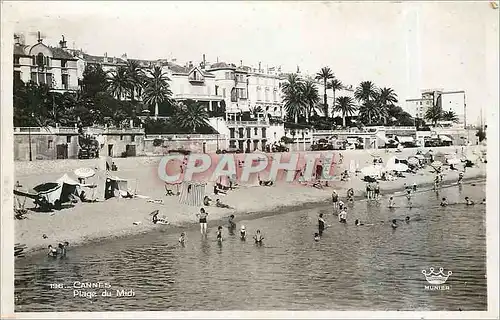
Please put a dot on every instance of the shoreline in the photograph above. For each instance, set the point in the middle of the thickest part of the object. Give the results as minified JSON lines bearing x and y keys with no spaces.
{"x":248,"y":215}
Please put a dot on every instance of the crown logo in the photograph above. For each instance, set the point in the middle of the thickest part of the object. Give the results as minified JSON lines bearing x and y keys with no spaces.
{"x":436,"y":277}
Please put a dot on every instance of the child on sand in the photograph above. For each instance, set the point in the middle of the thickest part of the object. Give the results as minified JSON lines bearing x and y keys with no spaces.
{"x":321,"y":224}
{"x":343,"y":216}
{"x":443,"y":203}
{"x":394,"y":224}
{"x":335,"y":199}
{"x":258,"y":237}
{"x":468,"y":201}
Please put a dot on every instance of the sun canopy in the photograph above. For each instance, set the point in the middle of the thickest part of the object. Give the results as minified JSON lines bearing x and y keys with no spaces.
{"x":403,"y":139}
{"x":445,"y":138}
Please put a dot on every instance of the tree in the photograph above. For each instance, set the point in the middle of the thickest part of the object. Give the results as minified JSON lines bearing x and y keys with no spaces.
{"x":370,"y":112}
{"x":434,"y":114}
{"x":336,"y":85}
{"x":156,"y":88}
{"x":292,"y":96}
{"x":255,"y":111}
{"x":397,"y":116}
{"x":310,"y":98}
{"x":386,"y":97}
{"x":94,"y":80}
{"x":136,"y":78}
{"x":191,"y":115}
{"x":345,"y":105}
{"x":324,"y":75}
{"x":365,"y":92}
{"x":119,"y":84}
{"x":449,"y":116}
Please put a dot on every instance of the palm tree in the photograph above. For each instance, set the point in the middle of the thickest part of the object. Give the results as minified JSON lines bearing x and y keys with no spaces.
{"x":336,"y":85}
{"x":191,"y":115}
{"x":345,"y":105}
{"x":118,"y":82}
{"x":386,"y":97}
{"x":256,"y":110}
{"x":325,"y":74}
{"x":136,"y":78}
{"x":157,"y":89}
{"x":310,"y":96}
{"x":370,"y":111}
{"x":434,"y":114}
{"x":450,"y":116}
{"x":365,"y":92}
{"x":292,"y":96}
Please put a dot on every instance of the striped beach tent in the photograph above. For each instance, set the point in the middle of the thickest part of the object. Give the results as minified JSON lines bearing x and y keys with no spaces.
{"x":192,"y":193}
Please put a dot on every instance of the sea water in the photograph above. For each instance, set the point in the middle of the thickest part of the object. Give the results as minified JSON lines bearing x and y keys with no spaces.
{"x":370,"y":267}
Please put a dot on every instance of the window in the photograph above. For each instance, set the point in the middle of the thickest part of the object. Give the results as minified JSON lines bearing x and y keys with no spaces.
{"x":240,"y":132}
{"x":121,"y":137}
{"x":420,"y":102}
{"x":16,"y":60}
{"x":248,"y":133}
{"x":41,"y":78}
{"x":63,"y":63}
{"x":231,"y":133}
{"x":68,"y":139}
{"x":223,"y":92}
{"x":33,"y":77}
{"x":50,"y":144}
{"x":40,"y":60}
{"x":64,"y":78}
{"x":275,"y":96}
{"x":49,"y":80}
{"x":255,"y":131}
{"x":263,"y":132}
{"x":216,"y":90}
{"x":17,"y":75}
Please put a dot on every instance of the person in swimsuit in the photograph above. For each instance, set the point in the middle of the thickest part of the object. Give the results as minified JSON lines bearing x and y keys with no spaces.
{"x":243,"y":233}
{"x":231,"y":225}
{"x":219,"y":234}
{"x":343,"y":216}
{"x":258,"y":237}
{"x":182,"y":238}
{"x":392,"y":204}
{"x":407,"y":219}
{"x":358,"y":222}
{"x":316,"y":237}
{"x":468,"y":201}
{"x":206,"y":201}
{"x":321,"y":224}
{"x":203,"y":220}
{"x":335,"y":199}
{"x":62,"y":249}
{"x":408,"y":197}
{"x":443,"y":203}
{"x":414,"y":186}
{"x":460,"y":177}
{"x":394,"y":224}
{"x":377,"y":191}
{"x":484,"y":201}
{"x":350,"y":194}
{"x":52,"y":251}
{"x":341,"y":205}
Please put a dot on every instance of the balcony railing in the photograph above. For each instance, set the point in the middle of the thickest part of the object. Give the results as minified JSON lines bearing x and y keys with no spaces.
{"x":247,"y":123}
{"x":196,"y":136}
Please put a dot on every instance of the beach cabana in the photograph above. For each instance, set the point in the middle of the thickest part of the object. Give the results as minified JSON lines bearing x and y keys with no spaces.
{"x":116,"y":187}
{"x":50,"y":191}
{"x":70,"y":188}
{"x":192,"y":193}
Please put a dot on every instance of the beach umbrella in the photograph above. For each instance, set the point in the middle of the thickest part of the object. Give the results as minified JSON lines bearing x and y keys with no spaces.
{"x":400,"y":167}
{"x":48,"y":186}
{"x":84,"y":172}
{"x":437,"y":164}
{"x":413,"y":161}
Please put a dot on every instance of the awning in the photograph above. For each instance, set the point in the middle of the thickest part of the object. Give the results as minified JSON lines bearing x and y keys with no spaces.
{"x":402,"y":139}
{"x":445,"y":138}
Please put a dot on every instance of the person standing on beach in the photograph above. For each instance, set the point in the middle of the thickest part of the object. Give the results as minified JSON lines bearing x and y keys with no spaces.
{"x":343,"y":216}
{"x":377,"y":191}
{"x":391,"y":203}
{"x":436,"y":182}
{"x":219,"y":234}
{"x":321,"y":224}
{"x":460,"y":177}
{"x":335,"y":199}
{"x":341,"y":158}
{"x":203,"y":220}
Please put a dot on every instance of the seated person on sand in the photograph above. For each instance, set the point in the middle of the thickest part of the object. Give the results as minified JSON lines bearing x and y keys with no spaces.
{"x":317,"y":184}
{"x":468,"y":201}
{"x":267,"y":183}
{"x":206,"y":201}
{"x":218,"y":188}
{"x":156,"y":220}
{"x":126,"y":194}
{"x":219,"y":204}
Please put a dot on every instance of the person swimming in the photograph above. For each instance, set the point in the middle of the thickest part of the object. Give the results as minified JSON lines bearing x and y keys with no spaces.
{"x":443,"y":203}
{"x":52,"y":251}
{"x":219,"y":234}
{"x":316,"y":237}
{"x":392,"y":204}
{"x":243,"y":233}
{"x":358,"y":222}
{"x":468,"y":201}
{"x":231,"y":224}
{"x":182,"y":238}
{"x":62,"y":249}
{"x":258,"y":237}
{"x":394,"y":224}
{"x":407,"y":219}
{"x":484,"y":201}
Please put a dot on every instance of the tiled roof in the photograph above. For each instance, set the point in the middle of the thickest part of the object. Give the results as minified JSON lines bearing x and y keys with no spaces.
{"x":59,"y":53}
{"x":175,"y":68}
{"x":220,"y":65}
{"x":100,"y":59}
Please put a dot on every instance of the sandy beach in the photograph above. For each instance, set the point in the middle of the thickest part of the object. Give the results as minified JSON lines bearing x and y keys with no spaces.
{"x":116,"y":217}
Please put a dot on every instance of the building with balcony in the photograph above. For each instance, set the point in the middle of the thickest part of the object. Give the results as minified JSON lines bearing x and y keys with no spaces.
{"x":43,"y":64}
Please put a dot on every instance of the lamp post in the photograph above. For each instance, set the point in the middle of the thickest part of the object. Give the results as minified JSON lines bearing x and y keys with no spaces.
{"x":29,"y":137}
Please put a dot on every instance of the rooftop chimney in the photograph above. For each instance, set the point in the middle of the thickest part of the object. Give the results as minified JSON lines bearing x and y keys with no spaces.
{"x":62,"y":43}
{"x":259,"y":66}
{"x":204,"y":62}
{"x":217,"y":59}
{"x":105,"y":54}
{"x":241,"y":63}
{"x":39,"y":37}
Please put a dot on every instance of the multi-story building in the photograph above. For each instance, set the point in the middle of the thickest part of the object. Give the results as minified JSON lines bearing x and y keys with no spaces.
{"x":43,"y":64}
{"x":446,"y":100}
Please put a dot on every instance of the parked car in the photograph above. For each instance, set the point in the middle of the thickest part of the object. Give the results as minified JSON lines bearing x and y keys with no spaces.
{"x":229,"y":150}
{"x":280,"y":148}
{"x":181,"y":151}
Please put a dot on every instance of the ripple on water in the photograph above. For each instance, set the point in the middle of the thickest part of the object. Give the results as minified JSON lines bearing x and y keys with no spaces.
{"x":366,"y":267}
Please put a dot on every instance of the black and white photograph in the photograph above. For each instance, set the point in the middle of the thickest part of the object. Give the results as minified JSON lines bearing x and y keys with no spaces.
{"x":275,"y":159}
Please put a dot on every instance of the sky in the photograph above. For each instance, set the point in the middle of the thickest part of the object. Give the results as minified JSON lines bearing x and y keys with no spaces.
{"x":407,"y":46}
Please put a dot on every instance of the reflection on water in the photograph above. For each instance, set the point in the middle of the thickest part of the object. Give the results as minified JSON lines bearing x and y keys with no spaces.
{"x":366,"y":267}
